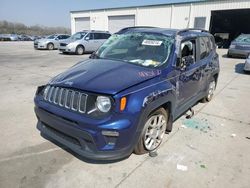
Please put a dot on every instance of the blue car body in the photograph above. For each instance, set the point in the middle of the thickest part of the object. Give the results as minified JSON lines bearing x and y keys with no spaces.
{"x":115,"y":134}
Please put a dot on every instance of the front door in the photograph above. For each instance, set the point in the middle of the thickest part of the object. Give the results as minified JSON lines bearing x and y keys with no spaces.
{"x":188,"y":82}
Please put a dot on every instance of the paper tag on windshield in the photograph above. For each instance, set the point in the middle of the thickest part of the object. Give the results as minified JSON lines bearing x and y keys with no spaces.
{"x":151,"y":42}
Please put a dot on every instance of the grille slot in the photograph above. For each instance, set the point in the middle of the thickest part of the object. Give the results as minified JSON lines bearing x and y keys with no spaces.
{"x":67,"y":98}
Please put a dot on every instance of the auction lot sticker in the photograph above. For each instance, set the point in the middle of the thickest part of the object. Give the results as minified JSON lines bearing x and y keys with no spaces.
{"x":151,"y":42}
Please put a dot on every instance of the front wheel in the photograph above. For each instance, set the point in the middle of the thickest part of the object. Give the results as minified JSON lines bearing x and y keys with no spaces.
{"x":153,"y":132}
{"x":80,"y":50}
{"x":210,"y":93}
{"x":50,"y":46}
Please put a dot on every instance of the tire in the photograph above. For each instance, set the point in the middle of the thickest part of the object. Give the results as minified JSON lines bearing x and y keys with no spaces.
{"x":80,"y":50}
{"x":228,"y":55}
{"x":210,"y":92}
{"x":153,"y":132}
{"x":50,"y":46}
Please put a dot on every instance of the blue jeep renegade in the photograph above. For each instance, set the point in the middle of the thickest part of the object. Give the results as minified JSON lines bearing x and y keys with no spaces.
{"x":127,"y":95}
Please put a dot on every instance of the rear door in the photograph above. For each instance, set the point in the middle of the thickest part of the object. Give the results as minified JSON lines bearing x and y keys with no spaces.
{"x":204,"y":59}
{"x":99,"y":39}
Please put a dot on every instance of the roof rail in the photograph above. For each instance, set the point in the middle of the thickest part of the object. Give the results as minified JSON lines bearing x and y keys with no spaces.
{"x":135,"y":27}
{"x":191,"y":29}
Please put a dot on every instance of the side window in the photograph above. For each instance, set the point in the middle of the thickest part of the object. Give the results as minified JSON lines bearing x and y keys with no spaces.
{"x":90,"y":36}
{"x":98,"y":36}
{"x":188,"y":52}
{"x":105,"y":35}
{"x":203,"y":48}
{"x":64,"y":36}
{"x":59,"y":37}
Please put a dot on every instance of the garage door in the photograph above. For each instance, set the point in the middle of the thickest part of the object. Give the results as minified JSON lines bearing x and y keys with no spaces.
{"x":82,"y":24}
{"x":230,"y":23}
{"x":118,"y":22}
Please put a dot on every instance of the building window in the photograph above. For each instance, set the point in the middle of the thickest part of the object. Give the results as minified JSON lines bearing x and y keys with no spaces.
{"x":200,"y":22}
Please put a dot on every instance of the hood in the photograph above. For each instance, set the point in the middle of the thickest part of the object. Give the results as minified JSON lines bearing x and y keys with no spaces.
{"x":67,"y":41}
{"x":45,"y":40}
{"x":103,"y":76}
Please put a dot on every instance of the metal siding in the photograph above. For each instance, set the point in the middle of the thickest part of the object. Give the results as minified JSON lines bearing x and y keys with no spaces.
{"x":183,"y":15}
{"x":82,"y":23}
{"x":115,"y":23}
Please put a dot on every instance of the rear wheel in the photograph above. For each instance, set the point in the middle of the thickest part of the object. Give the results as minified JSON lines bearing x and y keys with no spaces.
{"x":80,"y":50}
{"x":50,"y":46}
{"x":153,"y":132}
{"x":210,"y":93}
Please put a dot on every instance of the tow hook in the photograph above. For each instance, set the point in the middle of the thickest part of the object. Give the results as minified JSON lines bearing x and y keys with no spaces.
{"x":190,"y":113}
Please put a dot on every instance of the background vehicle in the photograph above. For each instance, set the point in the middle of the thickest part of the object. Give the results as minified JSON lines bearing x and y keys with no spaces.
{"x":240,"y":47}
{"x":51,"y":42}
{"x":247,"y":64}
{"x":129,"y":93}
{"x":9,"y":37}
{"x":85,"y":41}
{"x":25,"y":38}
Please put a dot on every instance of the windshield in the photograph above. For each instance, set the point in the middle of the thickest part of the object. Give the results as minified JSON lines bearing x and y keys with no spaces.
{"x":145,"y":49}
{"x":78,"y":36}
{"x":51,"y":37}
{"x":243,"y":38}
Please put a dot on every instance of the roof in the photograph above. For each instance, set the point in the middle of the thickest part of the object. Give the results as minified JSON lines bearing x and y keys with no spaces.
{"x":169,"y":2}
{"x":165,"y":31}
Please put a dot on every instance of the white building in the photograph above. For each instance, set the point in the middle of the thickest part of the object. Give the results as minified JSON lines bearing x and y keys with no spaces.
{"x":218,"y":16}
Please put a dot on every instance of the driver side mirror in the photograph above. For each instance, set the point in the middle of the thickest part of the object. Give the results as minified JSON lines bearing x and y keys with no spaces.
{"x":87,"y":38}
{"x":56,"y":38}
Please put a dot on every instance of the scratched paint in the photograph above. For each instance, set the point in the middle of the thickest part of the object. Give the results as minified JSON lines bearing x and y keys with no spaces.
{"x":149,"y":73}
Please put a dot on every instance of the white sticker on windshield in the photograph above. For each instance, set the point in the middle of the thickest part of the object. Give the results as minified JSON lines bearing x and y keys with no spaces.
{"x":151,"y":42}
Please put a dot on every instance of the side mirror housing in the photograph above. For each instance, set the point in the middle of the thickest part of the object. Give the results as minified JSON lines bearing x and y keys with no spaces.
{"x":87,"y":38}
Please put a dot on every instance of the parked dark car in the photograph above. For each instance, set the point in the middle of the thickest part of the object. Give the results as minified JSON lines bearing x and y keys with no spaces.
{"x":128,"y":94}
{"x":25,"y":38}
{"x":240,"y":47}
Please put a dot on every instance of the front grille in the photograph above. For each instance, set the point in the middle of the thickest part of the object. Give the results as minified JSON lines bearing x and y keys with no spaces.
{"x":63,"y":44}
{"x":66,"y":98}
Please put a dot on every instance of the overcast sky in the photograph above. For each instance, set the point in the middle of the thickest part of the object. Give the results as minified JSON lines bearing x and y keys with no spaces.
{"x":56,"y":12}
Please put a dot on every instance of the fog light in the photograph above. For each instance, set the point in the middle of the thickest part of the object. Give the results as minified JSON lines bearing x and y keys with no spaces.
{"x":110,"y":133}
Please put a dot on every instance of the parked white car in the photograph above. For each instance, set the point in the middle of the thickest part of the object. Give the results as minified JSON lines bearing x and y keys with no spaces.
{"x":84,"y":41}
{"x":51,"y":42}
{"x":247,"y":64}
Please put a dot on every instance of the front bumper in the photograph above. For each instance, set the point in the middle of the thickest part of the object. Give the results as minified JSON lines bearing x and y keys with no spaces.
{"x":237,"y":52}
{"x":40,"y":46}
{"x":247,"y":66}
{"x":86,"y":142}
{"x":67,"y":49}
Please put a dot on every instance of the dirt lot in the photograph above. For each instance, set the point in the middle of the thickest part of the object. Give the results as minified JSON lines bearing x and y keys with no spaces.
{"x":214,"y":145}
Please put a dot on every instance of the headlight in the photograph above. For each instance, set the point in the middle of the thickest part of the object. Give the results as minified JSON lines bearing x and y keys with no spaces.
{"x":103,"y":103}
{"x":232,"y":46}
{"x":71,"y":45}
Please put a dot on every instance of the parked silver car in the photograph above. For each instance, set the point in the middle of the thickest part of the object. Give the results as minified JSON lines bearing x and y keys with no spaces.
{"x":240,"y":47}
{"x":247,"y":64}
{"x":84,"y":41}
{"x":51,"y":42}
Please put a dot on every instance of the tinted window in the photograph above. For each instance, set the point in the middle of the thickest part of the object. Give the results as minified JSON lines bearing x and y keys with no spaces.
{"x":203,"y":47}
{"x":64,"y":36}
{"x":105,"y":35}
